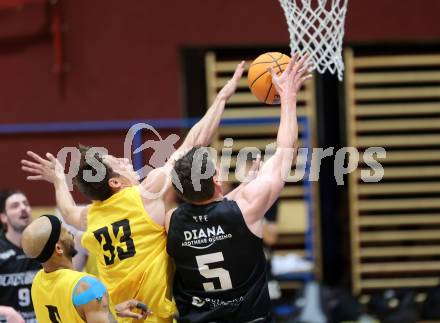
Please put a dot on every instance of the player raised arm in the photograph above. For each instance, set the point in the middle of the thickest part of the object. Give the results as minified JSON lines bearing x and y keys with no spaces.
{"x":51,"y":170}
{"x":255,"y":198}
{"x":201,"y":134}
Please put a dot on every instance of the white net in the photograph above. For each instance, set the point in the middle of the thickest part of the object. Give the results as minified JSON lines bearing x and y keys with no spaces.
{"x":316,"y":27}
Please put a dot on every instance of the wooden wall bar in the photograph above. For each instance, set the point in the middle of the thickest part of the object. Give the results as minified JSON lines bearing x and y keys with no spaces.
{"x":393,"y":101}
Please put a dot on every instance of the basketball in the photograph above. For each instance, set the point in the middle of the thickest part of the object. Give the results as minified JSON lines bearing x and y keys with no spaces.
{"x":260,"y":80}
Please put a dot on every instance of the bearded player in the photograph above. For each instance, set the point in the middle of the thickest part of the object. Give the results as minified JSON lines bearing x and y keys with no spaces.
{"x":216,"y":240}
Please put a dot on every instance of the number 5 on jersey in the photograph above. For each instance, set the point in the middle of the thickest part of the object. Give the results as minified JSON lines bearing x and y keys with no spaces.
{"x":107,"y":240}
{"x":220,"y":273}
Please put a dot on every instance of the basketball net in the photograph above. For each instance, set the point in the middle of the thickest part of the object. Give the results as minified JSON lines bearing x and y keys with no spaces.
{"x":316,"y":27}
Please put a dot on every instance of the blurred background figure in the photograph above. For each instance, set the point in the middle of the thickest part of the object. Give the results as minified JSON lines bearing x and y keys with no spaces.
{"x":16,"y":270}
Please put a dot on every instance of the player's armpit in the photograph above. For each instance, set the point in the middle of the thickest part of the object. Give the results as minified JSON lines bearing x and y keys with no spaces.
{"x":168,"y":218}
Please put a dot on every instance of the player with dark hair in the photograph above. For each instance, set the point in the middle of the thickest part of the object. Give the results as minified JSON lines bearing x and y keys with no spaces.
{"x":59,"y":293}
{"x":215,"y":240}
{"x":124,"y":224}
{"x":16,"y":270}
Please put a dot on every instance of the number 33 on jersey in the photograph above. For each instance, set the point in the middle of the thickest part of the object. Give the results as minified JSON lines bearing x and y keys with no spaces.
{"x":130,"y":249}
{"x":110,"y":240}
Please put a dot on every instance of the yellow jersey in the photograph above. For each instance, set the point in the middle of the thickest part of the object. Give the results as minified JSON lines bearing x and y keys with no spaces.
{"x":130,"y":249}
{"x":90,"y":266}
{"x":52,"y":295}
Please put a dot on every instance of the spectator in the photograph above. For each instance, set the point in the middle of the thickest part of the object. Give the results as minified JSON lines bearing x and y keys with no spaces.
{"x":16,"y":270}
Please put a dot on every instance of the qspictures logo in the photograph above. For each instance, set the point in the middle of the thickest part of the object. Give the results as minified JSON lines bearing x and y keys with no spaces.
{"x":292,"y":168}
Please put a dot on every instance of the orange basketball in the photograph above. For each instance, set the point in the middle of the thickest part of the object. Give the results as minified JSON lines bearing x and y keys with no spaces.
{"x":260,"y":80}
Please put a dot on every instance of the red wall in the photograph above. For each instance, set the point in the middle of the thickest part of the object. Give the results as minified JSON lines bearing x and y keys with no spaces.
{"x":125,"y":60}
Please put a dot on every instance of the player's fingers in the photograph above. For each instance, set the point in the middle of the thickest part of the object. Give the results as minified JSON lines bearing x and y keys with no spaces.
{"x":142,"y":306}
{"x":239,"y":70}
{"x":126,"y":305}
{"x":34,"y":178}
{"x":30,"y":164}
{"x":31,"y":170}
{"x":292,"y":63}
{"x":290,"y":66}
{"x":34,"y":155}
{"x":304,"y":59}
{"x":272,"y":72}
{"x":51,"y":157}
{"x":309,"y":66}
{"x":145,"y":314}
{"x":303,"y":62}
{"x":38,"y":158}
{"x":303,"y":72}
{"x":299,"y":65}
{"x":294,"y":58}
{"x":128,"y":313}
{"x":308,"y":76}
{"x":305,"y":78}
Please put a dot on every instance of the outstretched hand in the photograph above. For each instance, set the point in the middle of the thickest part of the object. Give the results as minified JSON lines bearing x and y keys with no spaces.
{"x":49,"y":169}
{"x":290,"y":81}
{"x":126,"y":308}
{"x":229,"y":89}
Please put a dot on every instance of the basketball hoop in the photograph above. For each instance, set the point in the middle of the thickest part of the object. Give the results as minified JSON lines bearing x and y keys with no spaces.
{"x":316,"y":27}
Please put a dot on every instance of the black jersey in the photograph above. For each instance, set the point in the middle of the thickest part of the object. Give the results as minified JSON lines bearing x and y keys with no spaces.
{"x":220,"y":265}
{"x":16,"y":275}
